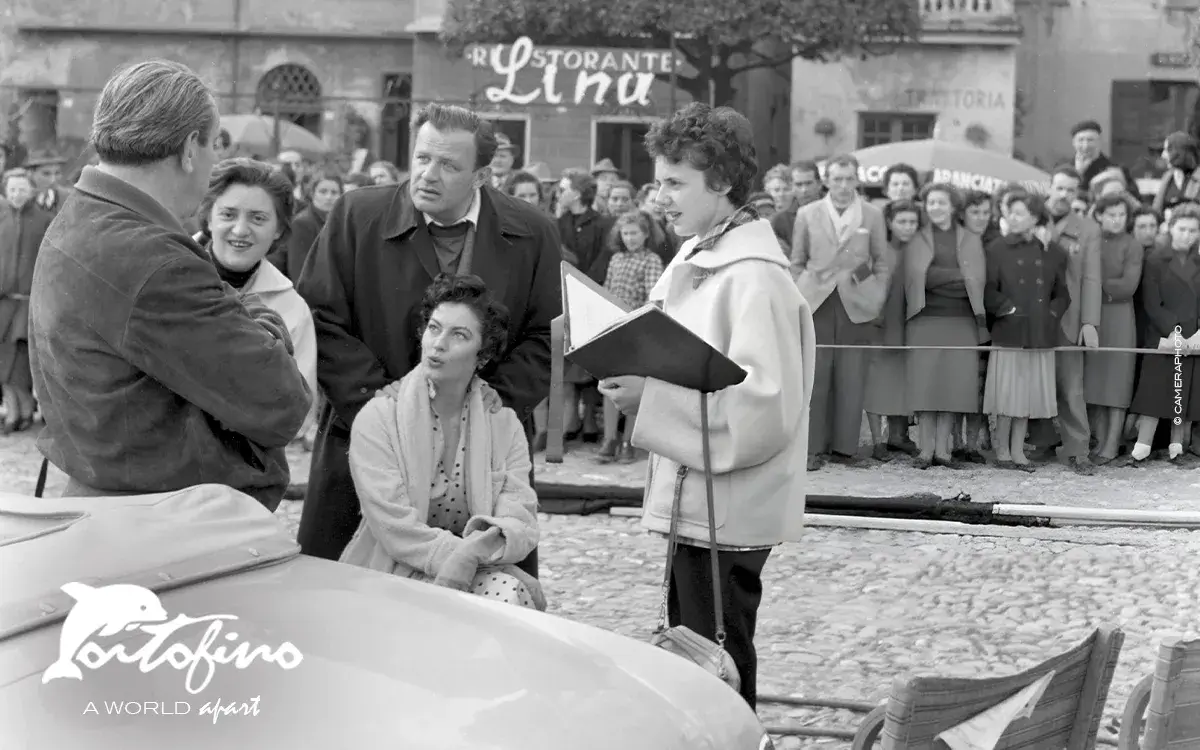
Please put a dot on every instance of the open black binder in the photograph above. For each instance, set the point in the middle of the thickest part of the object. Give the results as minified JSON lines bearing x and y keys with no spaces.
{"x":607,"y":339}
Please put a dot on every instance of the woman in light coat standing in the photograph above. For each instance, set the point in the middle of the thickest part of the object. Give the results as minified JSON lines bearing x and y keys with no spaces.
{"x":731,"y":285}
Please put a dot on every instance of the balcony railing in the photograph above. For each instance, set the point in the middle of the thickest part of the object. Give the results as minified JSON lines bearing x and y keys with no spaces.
{"x":966,"y":13}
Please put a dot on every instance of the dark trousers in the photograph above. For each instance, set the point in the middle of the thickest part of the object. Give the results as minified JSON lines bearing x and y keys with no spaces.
{"x":331,"y":513}
{"x":690,"y":603}
{"x":839,"y":380}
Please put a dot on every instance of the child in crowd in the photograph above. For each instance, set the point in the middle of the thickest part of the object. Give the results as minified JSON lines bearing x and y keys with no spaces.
{"x":633,"y":271}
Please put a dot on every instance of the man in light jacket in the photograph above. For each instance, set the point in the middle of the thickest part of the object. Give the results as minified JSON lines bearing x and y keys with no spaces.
{"x":842,"y":266}
{"x":152,"y":374}
{"x":730,"y":285}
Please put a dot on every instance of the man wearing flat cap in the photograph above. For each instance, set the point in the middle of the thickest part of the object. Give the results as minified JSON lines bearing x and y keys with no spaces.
{"x":1091,"y":161}
{"x":46,"y":166}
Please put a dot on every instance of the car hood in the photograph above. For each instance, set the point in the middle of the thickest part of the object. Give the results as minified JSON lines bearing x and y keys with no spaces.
{"x":380,"y":658}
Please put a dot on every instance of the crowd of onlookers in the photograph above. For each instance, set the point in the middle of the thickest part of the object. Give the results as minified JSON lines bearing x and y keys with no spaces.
{"x":945,"y":271}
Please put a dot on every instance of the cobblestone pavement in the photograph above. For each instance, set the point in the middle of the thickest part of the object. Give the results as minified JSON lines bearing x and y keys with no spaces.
{"x":846,"y":611}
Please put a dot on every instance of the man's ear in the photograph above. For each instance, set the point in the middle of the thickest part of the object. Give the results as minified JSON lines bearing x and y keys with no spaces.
{"x":189,"y":152}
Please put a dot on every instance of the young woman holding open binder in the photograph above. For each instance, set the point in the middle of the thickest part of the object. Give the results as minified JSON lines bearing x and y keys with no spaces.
{"x":731,"y":285}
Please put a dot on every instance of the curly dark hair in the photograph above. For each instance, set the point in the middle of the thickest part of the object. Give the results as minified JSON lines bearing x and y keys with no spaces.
{"x":902,"y":206}
{"x":902,"y":168}
{"x":251,"y":173}
{"x":1034,"y":204}
{"x":521,"y":177}
{"x":470,"y":290}
{"x":718,"y":141}
{"x":953,"y":193}
{"x":322,"y":175}
{"x":1105,"y":202}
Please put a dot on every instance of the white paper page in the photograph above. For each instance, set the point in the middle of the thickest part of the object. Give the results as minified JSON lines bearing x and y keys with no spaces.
{"x":983,"y":731}
{"x":588,"y":313}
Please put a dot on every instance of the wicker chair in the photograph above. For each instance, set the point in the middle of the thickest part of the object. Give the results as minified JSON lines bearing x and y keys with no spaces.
{"x":1066,"y":718}
{"x":1166,"y":704}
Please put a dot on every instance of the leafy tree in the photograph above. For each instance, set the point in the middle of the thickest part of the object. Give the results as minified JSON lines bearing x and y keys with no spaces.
{"x":718,"y":38}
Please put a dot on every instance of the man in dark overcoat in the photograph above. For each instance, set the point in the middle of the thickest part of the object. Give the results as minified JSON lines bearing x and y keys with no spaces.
{"x":365,"y":277}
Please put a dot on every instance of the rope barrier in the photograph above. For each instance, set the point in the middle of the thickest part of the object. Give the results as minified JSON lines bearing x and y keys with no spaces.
{"x":1098,"y":350}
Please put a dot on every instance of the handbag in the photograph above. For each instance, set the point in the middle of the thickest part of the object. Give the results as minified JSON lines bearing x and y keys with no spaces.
{"x":682,"y":640}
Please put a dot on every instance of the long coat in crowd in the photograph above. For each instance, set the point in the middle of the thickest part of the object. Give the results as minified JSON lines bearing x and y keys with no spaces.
{"x":365,"y":280}
{"x":21,"y":233}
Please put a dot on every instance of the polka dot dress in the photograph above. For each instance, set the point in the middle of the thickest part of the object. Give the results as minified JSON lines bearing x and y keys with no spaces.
{"x":503,"y":587}
{"x":448,"y":507}
{"x":449,"y":510}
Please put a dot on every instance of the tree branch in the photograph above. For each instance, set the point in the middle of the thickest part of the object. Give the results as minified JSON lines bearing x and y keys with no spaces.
{"x":764,"y":62}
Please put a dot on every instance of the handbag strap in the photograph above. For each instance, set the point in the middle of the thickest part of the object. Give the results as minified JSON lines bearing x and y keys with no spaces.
{"x":673,"y":535}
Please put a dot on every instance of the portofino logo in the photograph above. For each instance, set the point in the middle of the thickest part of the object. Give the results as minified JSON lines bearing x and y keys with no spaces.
{"x":108,"y":610}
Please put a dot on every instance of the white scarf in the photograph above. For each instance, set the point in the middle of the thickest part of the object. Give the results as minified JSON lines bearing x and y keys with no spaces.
{"x":846,"y":223}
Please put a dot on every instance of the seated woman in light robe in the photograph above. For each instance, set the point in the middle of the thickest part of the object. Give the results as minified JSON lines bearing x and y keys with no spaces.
{"x":442,"y":474}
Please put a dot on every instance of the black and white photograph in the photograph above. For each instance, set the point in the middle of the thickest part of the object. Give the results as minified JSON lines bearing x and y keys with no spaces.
{"x":530,"y":374}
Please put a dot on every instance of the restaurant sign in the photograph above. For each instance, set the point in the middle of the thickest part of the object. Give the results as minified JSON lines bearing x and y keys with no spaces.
{"x":599,"y":72}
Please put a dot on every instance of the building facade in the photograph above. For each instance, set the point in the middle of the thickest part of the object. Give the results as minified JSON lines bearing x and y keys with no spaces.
{"x":960,"y":78}
{"x":1122,"y":63}
{"x":352,"y":72}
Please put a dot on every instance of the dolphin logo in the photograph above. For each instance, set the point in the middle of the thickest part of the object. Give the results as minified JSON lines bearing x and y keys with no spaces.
{"x":107,"y":611}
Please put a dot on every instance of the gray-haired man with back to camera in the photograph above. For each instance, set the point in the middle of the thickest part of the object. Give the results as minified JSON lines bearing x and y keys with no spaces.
{"x":152,"y":374}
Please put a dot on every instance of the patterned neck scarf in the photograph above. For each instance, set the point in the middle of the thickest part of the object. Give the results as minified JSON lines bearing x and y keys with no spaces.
{"x":740,"y":217}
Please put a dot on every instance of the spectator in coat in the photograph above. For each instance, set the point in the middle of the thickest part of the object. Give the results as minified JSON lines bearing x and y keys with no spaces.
{"x":729,"y":270}
{"x":322,"y":191}
{"x":364,"y":280}
{"x":1026,"y":293}
{"x":1181,"y":182}
{"x":806,"y":188}
{"x":22,"y":226}
{"x":46,"y":166}
{"x":151,"y":373}
{"x":1167,"y":390}
{"x":1108,"y":376}
{"x":584,"y":232}
{"x":978,"y":219}
{"x":945,"y":272}
{"x":887,"y":390}
{"x":1079,"y":236}
{"x":841,"y":264}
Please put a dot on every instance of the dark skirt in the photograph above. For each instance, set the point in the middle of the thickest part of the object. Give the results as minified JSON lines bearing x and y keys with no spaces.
{"x":942,"y":379}
{"x":1108,"y":376}
{"x":1166,"y":390}
{"x":14,"y":365}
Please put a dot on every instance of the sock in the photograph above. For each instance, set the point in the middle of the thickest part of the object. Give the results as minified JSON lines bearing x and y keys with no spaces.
{"x":1140,"y":452}
{"x":1175,"y":450}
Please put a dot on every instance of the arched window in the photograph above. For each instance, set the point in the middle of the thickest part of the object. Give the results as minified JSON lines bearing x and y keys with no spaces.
{"x":294,"y":94}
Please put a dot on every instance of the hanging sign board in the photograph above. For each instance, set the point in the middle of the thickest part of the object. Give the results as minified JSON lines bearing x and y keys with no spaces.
{"x":571,"y":75}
